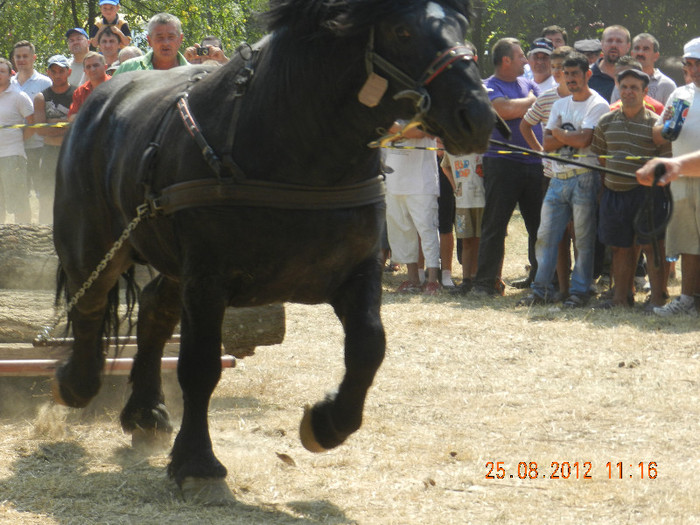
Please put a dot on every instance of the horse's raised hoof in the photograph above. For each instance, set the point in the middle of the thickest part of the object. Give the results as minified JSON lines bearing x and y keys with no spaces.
{"x":207,"y":491}
{"x":306,"y":432}
{"x":62,"y":396}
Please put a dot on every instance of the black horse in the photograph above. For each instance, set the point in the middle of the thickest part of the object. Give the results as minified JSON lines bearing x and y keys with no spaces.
{"x":253,"y":184}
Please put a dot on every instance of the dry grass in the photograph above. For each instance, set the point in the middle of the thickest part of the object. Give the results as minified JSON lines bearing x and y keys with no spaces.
{"x":465,"y":382}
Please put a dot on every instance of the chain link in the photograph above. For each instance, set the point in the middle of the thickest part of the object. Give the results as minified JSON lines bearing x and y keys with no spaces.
{"x":141,"y":212}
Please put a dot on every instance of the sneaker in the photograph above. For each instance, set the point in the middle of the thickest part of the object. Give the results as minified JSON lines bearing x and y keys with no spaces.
{"x":575,"y":301}
{"x":431,"y":288}
{"x":521,"y":284}
{"x":447,"y":282}
{"x":408,"y":287}
{"x":675,"y":307}
{"x":462,"y":289}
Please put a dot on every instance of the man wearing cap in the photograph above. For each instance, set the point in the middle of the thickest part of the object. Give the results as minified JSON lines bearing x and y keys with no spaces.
{"x":628,"y":132}
{"x":15,"y":108}
{"x":111,"y":18}
{"x":539,"y":59}
{"x":614,"y":43}
{"x":79,"y":45}
{"x":645,"y":49}
{"x":590,"y":48}
{"x":51,"y":106}
{"x":31,"y":82}
{"x":165,"y":38}
{"x":683,"y":232}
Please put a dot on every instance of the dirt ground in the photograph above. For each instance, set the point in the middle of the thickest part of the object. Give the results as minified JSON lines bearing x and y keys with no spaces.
{"x":579,"y":416}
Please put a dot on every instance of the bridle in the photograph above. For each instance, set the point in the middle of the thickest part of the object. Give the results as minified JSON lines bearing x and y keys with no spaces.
{"x":415,"y":90}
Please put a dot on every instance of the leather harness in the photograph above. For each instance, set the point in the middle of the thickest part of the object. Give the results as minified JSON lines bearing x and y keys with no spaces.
{"x":237,"y":190}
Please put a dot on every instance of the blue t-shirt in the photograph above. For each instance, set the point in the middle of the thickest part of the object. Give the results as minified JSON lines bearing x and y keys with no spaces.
{"x":519,"y":88}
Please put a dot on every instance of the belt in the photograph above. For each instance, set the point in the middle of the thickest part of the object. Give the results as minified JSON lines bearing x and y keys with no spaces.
{"x":570,"y":174}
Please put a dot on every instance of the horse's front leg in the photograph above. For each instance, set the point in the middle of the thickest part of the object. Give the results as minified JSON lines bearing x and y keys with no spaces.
{"x":78,"y":379}
{"x":145,"y":415}
{"x":193,"y":464}
{"x":357,"y":305}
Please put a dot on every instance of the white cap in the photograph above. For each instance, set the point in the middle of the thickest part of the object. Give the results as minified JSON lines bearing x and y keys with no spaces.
{"x":692,"y":49}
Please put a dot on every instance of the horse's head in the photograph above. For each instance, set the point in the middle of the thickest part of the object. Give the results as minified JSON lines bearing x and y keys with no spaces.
{"x":420,"y":50}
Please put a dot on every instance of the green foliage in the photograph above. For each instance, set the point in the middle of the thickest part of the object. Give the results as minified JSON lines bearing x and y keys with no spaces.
{"x":672,"y":22}
{"x":44,"y":22}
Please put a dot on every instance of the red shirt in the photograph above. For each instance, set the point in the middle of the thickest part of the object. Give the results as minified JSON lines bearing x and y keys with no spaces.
{"x":80,"y":95}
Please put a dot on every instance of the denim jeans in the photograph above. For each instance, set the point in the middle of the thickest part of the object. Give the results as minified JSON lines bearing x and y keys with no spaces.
{"x":575,"y":197}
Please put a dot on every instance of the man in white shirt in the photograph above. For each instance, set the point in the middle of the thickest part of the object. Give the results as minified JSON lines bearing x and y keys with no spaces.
{"x":412,"y":207}
{"x":683,"y":233}
{"x":15,"y":107}
{"x":573,"y":191}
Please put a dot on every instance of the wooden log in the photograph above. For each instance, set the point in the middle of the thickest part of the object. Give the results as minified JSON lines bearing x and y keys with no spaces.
{"x":27,"y":257}
{"x":113,"y":366}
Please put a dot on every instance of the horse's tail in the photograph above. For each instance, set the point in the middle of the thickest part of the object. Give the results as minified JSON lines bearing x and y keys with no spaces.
{"x":111,"y":321}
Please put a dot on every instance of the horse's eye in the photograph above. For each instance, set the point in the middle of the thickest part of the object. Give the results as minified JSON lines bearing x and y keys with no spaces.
{"x":402,"y":32}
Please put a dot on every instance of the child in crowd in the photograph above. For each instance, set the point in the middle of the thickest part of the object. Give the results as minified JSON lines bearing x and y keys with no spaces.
{"x":110,"y":17}
{"x":466,"y":174}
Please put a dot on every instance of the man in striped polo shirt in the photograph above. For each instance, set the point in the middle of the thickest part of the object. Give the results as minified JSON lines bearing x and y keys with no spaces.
{"x":626,"y":132}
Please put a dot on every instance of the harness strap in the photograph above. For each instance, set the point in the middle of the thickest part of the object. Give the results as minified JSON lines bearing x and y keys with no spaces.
{"x":265,"y":194}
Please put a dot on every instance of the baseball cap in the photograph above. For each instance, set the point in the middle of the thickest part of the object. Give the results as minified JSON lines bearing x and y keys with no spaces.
{"x":590,"y":45}
{"x":692,"y":49}
{"x":111,"y":2}
{"x":641,"y":75}
{"x":541,"y":45}
{"x":59,"y":60}
{"x":77,"y":30}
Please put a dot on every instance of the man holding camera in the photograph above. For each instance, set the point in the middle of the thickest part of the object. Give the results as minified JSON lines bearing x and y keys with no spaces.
{"x":165,"y":38}
{"x":209,"y":49}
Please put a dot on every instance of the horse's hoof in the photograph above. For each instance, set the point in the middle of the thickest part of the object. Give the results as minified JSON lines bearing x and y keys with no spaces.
{"x":150,"y":441}
{"x":62,"y":397}
{"x":207,"y":491}
{"x":306,"y":432}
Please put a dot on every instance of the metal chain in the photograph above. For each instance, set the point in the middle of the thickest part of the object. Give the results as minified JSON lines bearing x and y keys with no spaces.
{"x":141,"y":212}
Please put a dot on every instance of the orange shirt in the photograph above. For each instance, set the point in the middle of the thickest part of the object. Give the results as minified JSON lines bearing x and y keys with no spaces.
{"x":80,"y":95}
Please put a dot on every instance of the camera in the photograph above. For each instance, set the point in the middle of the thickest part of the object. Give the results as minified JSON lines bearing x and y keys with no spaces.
{"x":202,"y":51}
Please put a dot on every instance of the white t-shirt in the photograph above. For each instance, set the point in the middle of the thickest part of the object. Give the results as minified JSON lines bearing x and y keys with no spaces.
{"x":573,"y":115}
{"x":33,"y":85}
{"x":415,"y":171}
{"x":687,"y":140}
{"x":15,"y":106}
{"x":469,"y":179}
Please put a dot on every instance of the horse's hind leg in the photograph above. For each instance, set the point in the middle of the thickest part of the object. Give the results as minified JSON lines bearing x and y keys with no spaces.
{"x":357,"y":305}
{"x":145,"y":415}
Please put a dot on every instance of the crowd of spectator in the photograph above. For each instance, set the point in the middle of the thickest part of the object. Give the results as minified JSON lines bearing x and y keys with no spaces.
{"x":602,"y":103}
{"x":28,"y":155}
{"x":601,"y":100}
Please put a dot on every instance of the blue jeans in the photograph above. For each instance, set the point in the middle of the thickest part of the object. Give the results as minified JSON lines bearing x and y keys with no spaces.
{"x":575,"y":197}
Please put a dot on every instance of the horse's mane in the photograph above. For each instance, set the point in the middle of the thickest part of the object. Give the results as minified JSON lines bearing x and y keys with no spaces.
{"x":317,"y":17}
